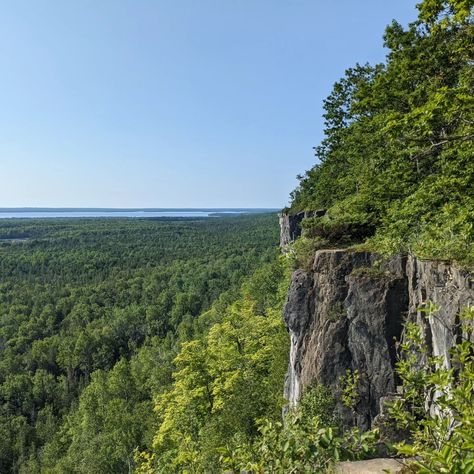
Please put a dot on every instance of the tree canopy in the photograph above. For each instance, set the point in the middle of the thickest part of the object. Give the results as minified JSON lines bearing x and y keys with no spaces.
{"x":396,"y":164}
{"x":97,"y":315}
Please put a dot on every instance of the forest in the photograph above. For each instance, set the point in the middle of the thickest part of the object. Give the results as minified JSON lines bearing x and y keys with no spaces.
{"x":100,"y":320}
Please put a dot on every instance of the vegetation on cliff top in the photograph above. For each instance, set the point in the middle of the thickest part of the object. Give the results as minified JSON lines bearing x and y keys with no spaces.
{"x":396,"y":165}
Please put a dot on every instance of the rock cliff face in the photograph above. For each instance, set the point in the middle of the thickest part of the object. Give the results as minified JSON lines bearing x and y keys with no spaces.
{"x":290,"y":225}
{"x":450,"y":289}
{"x":344,"y":315}
{"x":347,"y":311}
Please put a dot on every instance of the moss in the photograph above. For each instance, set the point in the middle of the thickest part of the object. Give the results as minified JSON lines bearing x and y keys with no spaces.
{"x":370,"y":272}
{"x":336,"y":311}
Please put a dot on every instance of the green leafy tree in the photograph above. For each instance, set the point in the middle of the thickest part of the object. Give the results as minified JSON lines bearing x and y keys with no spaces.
{"x":225,"y":381}
{"x":397,"y":157}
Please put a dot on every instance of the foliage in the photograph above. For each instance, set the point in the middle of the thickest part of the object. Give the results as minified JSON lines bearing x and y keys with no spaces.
{"x":349,"y":388}
{"x":437,"y":402}
{"x":93,"y":314}
{"x":308,"y":440}
{"x":146,"y":344}
{"x":301,"y":251}
{"x":395,"y":166}
{"x":319,"y":402}
{"x":224,"y":381}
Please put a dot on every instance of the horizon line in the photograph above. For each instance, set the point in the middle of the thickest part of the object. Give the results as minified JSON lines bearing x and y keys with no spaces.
{"x":111,"y":209}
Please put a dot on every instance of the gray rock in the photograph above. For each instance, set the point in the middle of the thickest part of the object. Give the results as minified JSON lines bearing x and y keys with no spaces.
{"x":376,"y":304}
{"x":290,"y":225}
{"x":289,"y":228}
{"x":347,"y":312}
{"x":340,"y":318}
{"x":297,"y":314}
{"x":451,"y":289}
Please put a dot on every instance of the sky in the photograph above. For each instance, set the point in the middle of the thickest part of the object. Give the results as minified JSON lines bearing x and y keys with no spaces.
{"x":172,"y":103}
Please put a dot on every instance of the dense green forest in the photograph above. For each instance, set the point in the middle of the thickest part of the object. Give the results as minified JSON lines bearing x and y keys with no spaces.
{"x":396,"y":166}
{"x":94,"y":313}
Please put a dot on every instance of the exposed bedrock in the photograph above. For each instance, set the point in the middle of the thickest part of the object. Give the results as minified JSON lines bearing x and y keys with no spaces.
{"x":347,"y":312}
{"x":451,"y":289}
{"x":290,"y":225}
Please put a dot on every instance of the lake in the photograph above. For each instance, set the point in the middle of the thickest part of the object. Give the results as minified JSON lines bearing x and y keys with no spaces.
{"x":142,"y":213}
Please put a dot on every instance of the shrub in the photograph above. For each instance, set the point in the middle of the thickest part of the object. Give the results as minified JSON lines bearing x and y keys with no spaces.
{"x":308,"y":440}
{"x":302,"y":251}
{"x":442,"y":439}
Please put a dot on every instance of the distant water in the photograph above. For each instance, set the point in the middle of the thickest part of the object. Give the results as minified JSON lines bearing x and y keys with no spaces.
{"x":41,"y":214}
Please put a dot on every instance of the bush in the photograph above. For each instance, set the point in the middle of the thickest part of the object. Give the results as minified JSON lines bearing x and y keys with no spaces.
{"x":442,"y":439}
{"x":337,"y":231}
{"x":308,"y":440}
{"x":319,"y":402}
{"x":302,"y":252}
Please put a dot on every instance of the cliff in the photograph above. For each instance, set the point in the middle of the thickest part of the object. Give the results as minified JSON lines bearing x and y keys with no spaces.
{"x":348,"y":311}
{"x":290,"y":225}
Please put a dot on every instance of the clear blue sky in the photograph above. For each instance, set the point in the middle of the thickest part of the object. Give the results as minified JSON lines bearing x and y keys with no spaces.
{"x":172,"y":103}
